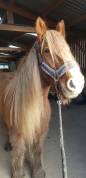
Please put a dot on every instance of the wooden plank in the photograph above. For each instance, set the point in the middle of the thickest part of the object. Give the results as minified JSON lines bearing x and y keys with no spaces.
{"x":3,"y":57}
{"x":7,"y":58}
{"x":8,"y":49}
{"x":16,"y":28}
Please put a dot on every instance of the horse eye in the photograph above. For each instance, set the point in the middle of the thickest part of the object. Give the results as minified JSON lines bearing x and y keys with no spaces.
{"x":46,"y":50}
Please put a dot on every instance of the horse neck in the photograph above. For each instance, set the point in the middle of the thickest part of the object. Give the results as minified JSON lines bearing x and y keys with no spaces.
{"x":46,"y":84}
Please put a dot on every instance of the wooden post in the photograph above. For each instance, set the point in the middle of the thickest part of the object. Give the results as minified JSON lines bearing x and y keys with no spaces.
{"x":10,"y":18}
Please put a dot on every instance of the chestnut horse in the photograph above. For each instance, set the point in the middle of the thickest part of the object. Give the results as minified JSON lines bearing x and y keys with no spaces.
{"x":24,"y":101}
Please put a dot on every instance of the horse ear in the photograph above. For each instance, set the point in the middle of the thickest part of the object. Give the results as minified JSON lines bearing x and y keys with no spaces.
{"x":40,"y":27}
{"x":61,"y":27}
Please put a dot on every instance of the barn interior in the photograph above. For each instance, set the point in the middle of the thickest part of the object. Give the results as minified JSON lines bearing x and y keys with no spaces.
{"x":17,"y":35}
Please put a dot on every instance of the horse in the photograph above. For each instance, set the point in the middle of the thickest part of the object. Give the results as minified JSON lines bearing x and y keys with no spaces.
{"x":24,"y":104}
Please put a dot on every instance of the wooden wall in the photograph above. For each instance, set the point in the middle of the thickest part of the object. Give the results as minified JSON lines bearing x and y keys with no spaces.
{"x":78,"y":47}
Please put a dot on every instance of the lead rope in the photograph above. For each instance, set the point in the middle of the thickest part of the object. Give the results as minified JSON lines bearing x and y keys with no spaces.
{"x":62,"y":147}
{"x":63,"y":155}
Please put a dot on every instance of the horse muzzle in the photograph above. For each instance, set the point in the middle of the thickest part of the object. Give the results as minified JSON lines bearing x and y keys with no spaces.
{"x":74,"y":86}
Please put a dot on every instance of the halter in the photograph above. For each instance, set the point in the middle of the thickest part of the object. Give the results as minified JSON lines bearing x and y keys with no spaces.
{"x":53,"y":73}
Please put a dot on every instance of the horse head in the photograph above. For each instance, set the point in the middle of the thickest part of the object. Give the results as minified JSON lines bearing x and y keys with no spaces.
{"x":57,"y":61}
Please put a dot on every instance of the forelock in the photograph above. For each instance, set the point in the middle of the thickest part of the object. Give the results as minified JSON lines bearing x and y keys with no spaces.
{"x":56,"y":44}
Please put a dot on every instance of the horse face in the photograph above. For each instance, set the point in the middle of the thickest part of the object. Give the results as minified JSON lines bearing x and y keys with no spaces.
{"x":56,"y":53}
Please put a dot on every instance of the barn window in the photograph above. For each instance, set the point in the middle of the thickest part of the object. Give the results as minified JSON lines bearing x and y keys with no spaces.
{"x":4,"y":66}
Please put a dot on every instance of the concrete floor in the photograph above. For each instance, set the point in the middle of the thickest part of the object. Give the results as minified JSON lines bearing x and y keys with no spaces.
{"x":74,"y":121}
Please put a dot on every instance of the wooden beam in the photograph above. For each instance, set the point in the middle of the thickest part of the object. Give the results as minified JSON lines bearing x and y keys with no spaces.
{"x":78,"y":20}
{"x":10,"y":18}
{"x":52,"y":6}
{"x":16,"y":28}
{"x":8,"y":49}
{"x":4,"y":57}
{"x":17,"y":9}
{"x":7,"y":58}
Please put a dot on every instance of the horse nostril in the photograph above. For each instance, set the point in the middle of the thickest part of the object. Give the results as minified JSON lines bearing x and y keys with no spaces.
{"x":71,"y":85}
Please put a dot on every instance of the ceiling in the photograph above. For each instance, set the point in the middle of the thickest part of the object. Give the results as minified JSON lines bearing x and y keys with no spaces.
{"x":20,"y":17}
{"x":72,"y":11}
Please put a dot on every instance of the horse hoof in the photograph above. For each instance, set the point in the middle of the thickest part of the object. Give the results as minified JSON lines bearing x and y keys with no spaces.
{"x":39,"y":174}
{"x":8,"y":147}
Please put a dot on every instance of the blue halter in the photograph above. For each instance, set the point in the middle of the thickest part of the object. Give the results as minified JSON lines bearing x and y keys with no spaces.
{"x":53,"y":73}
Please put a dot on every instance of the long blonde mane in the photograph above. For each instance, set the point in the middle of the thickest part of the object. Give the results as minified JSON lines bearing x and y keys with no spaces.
{"x":24,"y":93}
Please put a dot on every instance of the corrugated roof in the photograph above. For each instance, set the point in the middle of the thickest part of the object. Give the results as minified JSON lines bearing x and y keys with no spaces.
{"x":54,"y":10}
{"x":36,"y":6}
{"x":69,"y":10}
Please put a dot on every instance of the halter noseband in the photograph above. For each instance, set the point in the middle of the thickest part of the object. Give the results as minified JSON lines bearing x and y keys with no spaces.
{"x":53,"y":73}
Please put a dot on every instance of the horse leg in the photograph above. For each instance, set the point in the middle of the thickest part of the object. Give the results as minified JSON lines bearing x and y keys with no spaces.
{"x":35,"y":151}
{"x":18,"y":154}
